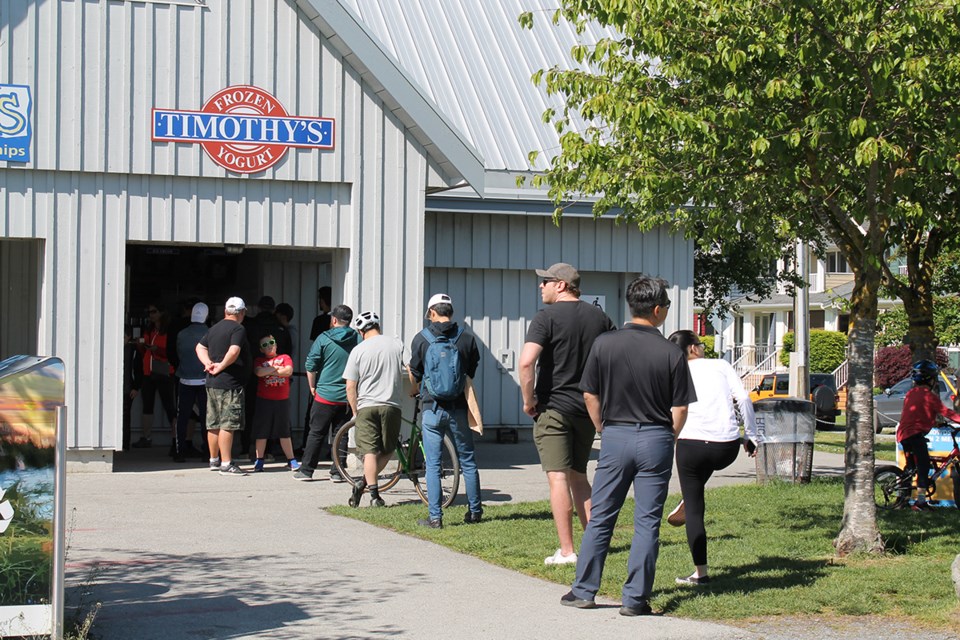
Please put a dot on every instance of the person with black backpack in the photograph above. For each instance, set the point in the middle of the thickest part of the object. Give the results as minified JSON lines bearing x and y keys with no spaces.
{"x":444,"y":359}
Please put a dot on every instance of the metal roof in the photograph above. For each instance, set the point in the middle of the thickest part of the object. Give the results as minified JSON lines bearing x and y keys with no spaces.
{"x":474,"y":61}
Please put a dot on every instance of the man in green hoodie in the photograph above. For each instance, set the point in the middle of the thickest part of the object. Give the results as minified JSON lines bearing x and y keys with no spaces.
{"x":328,"y":357}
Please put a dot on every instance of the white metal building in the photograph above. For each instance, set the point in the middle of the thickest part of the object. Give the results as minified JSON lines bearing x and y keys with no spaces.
{"x":429,"y":116}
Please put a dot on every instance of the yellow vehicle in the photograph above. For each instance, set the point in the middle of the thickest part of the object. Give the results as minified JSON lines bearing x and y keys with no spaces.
{"x":823,"y":393}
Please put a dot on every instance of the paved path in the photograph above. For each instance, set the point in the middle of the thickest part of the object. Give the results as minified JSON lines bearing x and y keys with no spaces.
{"x":176,"y":551}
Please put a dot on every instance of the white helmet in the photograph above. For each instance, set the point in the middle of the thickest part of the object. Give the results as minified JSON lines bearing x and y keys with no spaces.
{"x":365,"y":320}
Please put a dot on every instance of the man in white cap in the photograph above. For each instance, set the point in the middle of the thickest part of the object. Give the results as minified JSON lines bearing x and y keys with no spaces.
{"x":193,"y":378}
{"x":556,"y":347}
{"x":445,"y":405}
{"x":226,"y":357}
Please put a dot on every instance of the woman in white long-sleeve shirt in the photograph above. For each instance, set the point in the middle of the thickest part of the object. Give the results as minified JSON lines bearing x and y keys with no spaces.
{"x":710,"y":441}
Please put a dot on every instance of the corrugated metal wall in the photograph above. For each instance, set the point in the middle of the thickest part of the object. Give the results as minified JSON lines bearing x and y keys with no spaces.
{"x":97,"y":180}
{"x":486,"y":264}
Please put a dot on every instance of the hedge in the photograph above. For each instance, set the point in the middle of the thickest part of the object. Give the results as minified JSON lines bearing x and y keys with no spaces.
{"x":828,"y":350}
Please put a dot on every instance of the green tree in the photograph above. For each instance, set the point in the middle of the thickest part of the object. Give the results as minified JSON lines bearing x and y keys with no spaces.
{"x":791,"y":120}
{"x":893,"y":326}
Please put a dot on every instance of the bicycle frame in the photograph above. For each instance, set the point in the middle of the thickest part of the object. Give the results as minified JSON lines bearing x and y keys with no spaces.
{"x":939,"y":464}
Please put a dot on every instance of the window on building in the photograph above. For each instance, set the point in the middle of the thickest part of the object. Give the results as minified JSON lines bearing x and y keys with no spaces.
{"x":836,"y":263}
{"x":817,"y":319}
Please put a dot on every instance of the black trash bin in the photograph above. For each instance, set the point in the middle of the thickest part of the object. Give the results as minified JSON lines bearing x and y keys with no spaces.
{"x":786,"y":427}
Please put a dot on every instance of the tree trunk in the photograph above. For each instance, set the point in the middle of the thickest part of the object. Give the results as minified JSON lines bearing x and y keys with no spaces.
{"x":858,"y":531}
{"x":921,"y":335}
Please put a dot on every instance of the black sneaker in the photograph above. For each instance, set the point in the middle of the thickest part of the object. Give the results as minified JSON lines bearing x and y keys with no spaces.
{"x":336,"y":477}
{"x":471,"y":517}
{"x":232,"y":469}
{"x":377,"y":501}
{"x":430,"y":523}
{"x":570,"y":600}
{"x":142,"y":443}
{"x":215,"y":464}
{"x":693,"y":581}
{"x":357,"y":493}
{"x":642,"y":609}
{"x":300,"y":475}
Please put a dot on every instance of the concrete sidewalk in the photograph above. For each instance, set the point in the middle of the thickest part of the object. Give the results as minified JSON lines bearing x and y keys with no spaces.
{"x":177,"y":551}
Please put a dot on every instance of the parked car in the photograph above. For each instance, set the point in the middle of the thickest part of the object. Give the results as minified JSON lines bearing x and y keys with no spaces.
{"x":823,"y":393}
{"x":888,"y":406}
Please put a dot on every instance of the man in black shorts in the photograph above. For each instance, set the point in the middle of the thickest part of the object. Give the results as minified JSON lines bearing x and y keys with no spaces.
{"x":557,"y":344}
{"x":226,"y":357}
{"x":636,"y":386}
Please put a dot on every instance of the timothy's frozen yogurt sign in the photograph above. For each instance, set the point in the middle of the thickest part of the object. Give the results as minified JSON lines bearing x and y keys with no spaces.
{"x":243,"y":129}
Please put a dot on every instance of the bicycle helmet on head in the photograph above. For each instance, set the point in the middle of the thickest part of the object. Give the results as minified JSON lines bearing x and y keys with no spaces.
{"x":365,"y":320}
{"x":924,"y":371}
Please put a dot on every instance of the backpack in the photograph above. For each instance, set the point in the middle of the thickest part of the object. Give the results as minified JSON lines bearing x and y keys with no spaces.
{"x":442,"y":371}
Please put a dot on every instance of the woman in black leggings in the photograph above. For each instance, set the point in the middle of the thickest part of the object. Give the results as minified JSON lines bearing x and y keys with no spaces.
{"x":709,"y":441}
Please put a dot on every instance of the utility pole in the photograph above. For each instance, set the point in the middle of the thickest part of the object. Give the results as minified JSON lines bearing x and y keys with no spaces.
{"x":800,"y":358}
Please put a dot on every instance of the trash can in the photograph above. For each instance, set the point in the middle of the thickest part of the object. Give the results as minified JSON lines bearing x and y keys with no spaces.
{"x":786,"y":427}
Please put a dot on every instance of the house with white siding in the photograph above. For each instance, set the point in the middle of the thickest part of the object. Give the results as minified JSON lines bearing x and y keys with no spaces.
{"x":155,"y":150}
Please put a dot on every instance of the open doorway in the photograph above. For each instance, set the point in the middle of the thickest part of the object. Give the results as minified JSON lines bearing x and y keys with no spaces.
{"x":172,"y":277}
{"x":20,"y":283}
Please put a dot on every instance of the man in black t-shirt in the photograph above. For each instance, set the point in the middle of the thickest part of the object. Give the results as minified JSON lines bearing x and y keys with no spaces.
{"x":636,"y":386}
{"x":227,"y":359}
{"x":556,"y":347}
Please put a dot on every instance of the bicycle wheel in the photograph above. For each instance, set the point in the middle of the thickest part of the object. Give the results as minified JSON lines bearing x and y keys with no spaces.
{"x":350,"y":466}
{"x":890,"y":488}
{"x":449,"y":471}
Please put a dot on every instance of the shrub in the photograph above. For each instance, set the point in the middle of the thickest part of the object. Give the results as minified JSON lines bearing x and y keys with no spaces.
{"x":709,"y":342}
{"x":828,"y":350}
{"x":892,"y":364}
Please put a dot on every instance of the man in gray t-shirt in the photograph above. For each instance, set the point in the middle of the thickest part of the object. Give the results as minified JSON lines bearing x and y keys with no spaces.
{"x":373,"y":373}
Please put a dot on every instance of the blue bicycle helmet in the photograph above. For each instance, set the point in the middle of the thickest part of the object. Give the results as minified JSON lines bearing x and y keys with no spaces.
{"x":924,"y":372}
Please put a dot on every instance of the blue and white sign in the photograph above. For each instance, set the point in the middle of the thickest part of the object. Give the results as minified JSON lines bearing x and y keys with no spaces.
{"x":16,"y":130}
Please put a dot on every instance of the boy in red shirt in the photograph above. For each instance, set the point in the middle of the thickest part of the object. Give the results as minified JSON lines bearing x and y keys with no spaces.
{"x":921,"y":406}
{"x":271,"y":418}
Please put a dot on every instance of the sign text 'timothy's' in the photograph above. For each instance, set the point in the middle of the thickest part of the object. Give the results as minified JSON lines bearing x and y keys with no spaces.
{"x":243,"y":129}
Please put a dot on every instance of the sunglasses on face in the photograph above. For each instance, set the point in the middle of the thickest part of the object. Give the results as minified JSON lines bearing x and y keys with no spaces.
{"x":267,"y":343}
{"x":547,"y":281}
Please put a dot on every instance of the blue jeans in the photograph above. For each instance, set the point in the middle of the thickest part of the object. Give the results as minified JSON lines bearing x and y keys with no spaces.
{"x":638,"y":455}
{"x":436,"y":421}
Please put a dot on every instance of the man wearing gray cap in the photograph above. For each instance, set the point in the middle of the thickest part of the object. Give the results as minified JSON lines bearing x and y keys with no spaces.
{"x":555,"y":350}
{"x":226,"y":357}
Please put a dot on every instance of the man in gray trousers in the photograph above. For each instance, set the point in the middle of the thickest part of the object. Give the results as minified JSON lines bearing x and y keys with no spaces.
{"x":637,"y":386}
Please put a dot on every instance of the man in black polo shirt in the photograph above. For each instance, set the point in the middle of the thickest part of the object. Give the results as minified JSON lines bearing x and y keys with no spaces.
{"x":636,"y":386}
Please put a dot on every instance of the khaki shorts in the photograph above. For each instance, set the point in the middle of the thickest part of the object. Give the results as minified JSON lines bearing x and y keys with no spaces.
{"x":563,"y":442}
{"x":225,"y":409}
{"x":377,"y":429}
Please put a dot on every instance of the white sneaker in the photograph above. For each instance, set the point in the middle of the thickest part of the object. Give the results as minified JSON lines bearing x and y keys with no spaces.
{"x":559,"y":558}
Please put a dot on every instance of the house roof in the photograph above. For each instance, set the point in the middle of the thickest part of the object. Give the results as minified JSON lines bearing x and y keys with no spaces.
{"x":837,"y":296}
{"x":473,"y":60}
{"x":444,"y":141}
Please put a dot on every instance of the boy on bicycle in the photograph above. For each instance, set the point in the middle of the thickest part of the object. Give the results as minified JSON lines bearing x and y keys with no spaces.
{"x":921,"y":406}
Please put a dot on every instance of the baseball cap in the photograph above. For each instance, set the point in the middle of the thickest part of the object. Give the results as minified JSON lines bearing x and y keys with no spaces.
{"x":235,"y":305}
{"x":266,"y":303}
{"x":435,"y":299}
{"x":199,"y":313}
{"x":563,"y":272}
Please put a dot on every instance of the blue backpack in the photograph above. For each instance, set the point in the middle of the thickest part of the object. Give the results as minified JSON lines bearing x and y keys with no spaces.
{"x":442,"y":371}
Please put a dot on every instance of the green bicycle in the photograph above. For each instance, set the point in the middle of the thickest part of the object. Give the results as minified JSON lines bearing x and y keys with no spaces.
{"x":408,"y":461}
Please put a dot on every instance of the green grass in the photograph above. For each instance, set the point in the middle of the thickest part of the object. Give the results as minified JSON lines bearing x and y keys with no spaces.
{"x":833,"y":442}
{"x":770,"y":554}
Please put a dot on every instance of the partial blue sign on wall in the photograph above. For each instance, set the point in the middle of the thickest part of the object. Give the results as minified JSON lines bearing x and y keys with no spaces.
{"x":16,"y":130}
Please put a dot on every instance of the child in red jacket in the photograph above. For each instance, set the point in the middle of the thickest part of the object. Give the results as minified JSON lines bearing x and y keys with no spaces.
{"x":921,"y":406}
